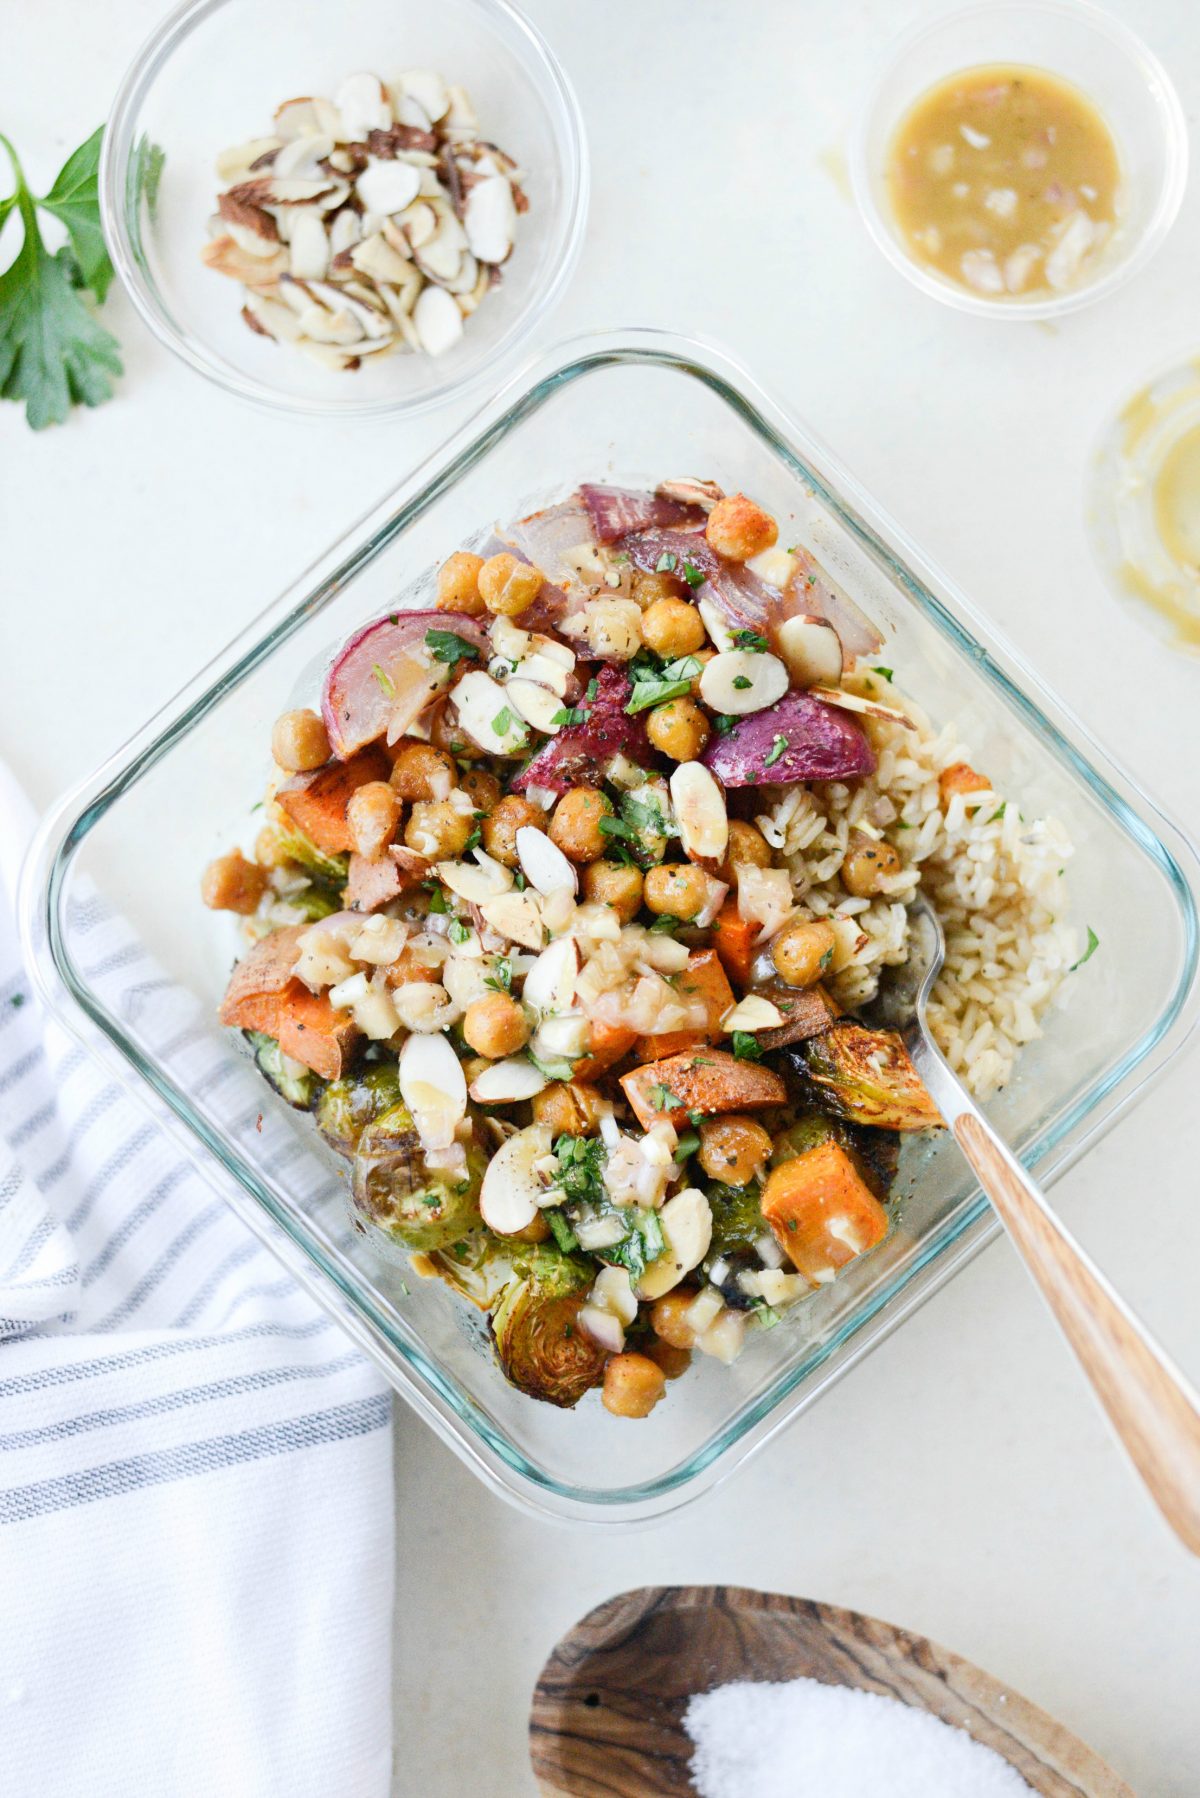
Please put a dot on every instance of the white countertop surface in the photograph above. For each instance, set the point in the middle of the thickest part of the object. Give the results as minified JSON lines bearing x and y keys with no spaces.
{"x":959,"y":1482}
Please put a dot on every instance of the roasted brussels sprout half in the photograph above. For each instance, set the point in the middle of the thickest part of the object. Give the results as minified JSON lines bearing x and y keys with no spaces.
{"x":348,"y":1105}
{"x":541,"y":1346}
{"x":327,"y":870}
{"x":394,"y":1189}
{"x":291,"y":1079}
{"x":866,"y":1077}
{"x":737,"y":1220}
{"x":876,"y":1152}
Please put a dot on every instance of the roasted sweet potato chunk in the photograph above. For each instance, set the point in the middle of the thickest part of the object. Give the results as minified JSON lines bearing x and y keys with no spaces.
{"x":316,"y":803}
{"x":705,"y":1080}
{"x":704,"y":978}
{"x":822,"y":1211}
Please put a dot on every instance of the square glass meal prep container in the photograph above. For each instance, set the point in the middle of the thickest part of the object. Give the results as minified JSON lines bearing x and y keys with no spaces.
{"x":634,"y":406}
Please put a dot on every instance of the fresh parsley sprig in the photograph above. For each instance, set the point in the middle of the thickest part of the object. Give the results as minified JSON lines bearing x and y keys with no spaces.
{"x":54,"y":354}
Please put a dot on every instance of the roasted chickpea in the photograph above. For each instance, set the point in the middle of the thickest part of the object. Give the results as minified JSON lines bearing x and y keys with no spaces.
{"x":537,"y":1231}
{"x":676,"y":890}
{"x":508,"y":587}
{"x":868,"y":866}
{"x":673,"y":1361}
{"x":673,"y":628}
{"x":299,"y":742}
{"x":648,"y":589}
{"x":802,"y":952}
{"x":633,"y":1385}
{"x":746,"y":844}
{"x":739,"y":529}
{"x":668,"y":1318}
{"x":615,"y":884}
{"x":678,"y":729}
{"x":421,"y":771}
{"x":231,"y":883}
{"x":482,"y":789}
{"x":575,"y":825}
{"x":495,"y":1026}
{"x":733,"y":1149}
{"x":500,"y":827}
{"x":372,"y":814}
{"x":435,"y":829}
{"x":568,"y":1108}
{"x":458,"y":584}
{"x":961,"y":778}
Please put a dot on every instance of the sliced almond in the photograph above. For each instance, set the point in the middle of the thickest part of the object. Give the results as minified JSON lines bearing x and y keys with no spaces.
{"x":296,"y":118}
{"x":812,"y":650}
{"x":416,"y":224}
{"x":323,"y":326}
{"x":345,"y":230}
{"x":434,"y":1088}
{"x":848,"y":939}
{"x":509,"y":640}
{"x":690,"y":492}
{"x":518,"y":917}
{"x":512,"y":1188}
{"x":376,"y":257}
{"x":715,"y":623}
{"x":400,"y":297}
{"x":309,"y":247}
{"x":550,"y":983}
{"x":549,"y":649}
{"x":483,"y":709}
{"x":854,"y":702}
{"x":460,"y":114}
{"x":508,"y":1082}
{"x":542,"y":861}
{"x":699,"y":806}
{"x":235,"y":164}
{"x":428,"y":89}
{"x":546,"y":671}
{"x":613,"y":1292}
{"x":266,"y":190}
{"x":438,"y":322}
{"x":226,"y":257}
{"x":301,"y":159}
{"x":475,"y":882}
{"x":540,"y":706}
{"x":687,"y":1225}
{"x":440,"y":257}
{"x":490,"y":218}
{"x":327,"y":354}
{"x":752,"y":1013}
{"x":253,"y":242}
{"x":409,"y":111}
{"x":364,"y":106}
{"x":738,"y":681}
{"x":388,"y":185}
{"x":466,"y":279}
{"x":276,"y":319}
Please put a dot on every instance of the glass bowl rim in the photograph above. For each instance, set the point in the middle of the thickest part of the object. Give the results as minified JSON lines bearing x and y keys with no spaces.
{"x":404,"y":1361}
{"x":119,"y":147}
{"x":1153,"y":234}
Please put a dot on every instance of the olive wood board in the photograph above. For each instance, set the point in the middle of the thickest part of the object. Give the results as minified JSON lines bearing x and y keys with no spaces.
{"x":608,"y":1708}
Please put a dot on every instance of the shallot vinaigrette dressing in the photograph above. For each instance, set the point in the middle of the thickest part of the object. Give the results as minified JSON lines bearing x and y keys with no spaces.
{"x":1006,"y":180}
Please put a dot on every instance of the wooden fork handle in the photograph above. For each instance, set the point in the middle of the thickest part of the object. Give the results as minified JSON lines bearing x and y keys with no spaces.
{"x":1151,"y":1406}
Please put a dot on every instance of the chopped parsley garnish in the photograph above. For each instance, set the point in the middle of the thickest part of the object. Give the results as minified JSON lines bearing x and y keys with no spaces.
{"x":826,"y":960}
{"x":459,"y":932}
{"x":654,"y":686}
{"x":387,"y":685}
{"x":437,"y":901}
{"x":502,"y":722}
{"x":742,"y":682}
{"x":665,"y":925}
{"x":448,"y":646}
{"x":17,"y":1000}
{"x":593,"y":687}
{"x":666,"y":563}
{"x":474,"y":840}
{"x":581,"y":1162}
{"x":999,"y":811}
{"x":519,"y":881}
{"x":687,"y":1145}
{"x":746,"y":1046}
{"x":752,"y":640}
{"x":643,"y":1242}
{"x":695,"y":577}
{"x":887,"y":673}
{"x":776,"y":750}
{"x":695,"y":1119}
{"x":561,"y":1230}
{"x":500,"y":978}
{"x":1093,"y":943}
{"x":573,"y":714}
{"x":663,"y":1099}
{"x":724,"y":723}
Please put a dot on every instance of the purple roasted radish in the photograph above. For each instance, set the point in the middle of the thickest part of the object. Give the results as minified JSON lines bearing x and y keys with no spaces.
{"x":798,"y":738}
{"x":580,"y":751}
{"x":388,"y":672}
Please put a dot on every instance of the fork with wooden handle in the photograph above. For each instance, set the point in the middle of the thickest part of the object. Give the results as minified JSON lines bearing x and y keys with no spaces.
{"x":1150,"y":1404}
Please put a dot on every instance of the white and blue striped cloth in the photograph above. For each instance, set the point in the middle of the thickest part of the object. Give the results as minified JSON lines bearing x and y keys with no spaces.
{"x":195,"y":1465}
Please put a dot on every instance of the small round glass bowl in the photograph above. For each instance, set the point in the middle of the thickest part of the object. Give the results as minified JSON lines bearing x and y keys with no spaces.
{"x":1083,"y":45}
{"x":212,"y":75}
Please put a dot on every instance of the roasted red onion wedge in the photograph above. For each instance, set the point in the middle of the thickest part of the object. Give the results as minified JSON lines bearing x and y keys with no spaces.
{"x":615,"y":511}
{"x":798,"y":738}
{"x":746,"y":602}
{"x":811,"y":591}
{"x":386,"y":676}
{"x":580,"y":751}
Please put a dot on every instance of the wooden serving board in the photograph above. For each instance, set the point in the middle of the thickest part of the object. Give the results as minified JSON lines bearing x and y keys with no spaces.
{"x":607,"y":1717}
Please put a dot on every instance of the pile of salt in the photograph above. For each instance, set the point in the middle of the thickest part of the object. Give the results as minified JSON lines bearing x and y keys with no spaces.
{"x":803,"y":1739}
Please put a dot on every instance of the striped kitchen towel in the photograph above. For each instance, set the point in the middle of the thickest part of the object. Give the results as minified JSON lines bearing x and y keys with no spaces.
{"x":195,"y":1465}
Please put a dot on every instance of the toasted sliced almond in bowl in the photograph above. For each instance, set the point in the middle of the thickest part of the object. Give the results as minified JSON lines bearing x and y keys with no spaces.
{"x":812,"y":650}
{"x":438,"y":321}
{"x":322,"y":326}
{"x":550,"y":982}
{"x":854,"y":702}
{"x":302,"y":158}
{"x":309,"y":247}
{"x":375,"y":257}
{"x":699,"y":807}
{"x":274,"y":318}
{"x":490,"y":218}
{"x":427,"y":88}
{"x":387,"y":185}
{"x":364,"y":106}
{"x":508,"y":1082}
{"x":752,"y":1013}
{"x":296,"y":118}
{"x":738,"y":681}
{"x":512,"y":1187}
{"x":236,"y":163}
{"x":434,"y":1087}
{"x":345,"y":230}
{"x":543,"y":862}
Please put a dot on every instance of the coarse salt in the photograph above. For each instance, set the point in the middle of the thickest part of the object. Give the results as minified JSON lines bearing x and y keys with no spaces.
{"x":802,"y":1739}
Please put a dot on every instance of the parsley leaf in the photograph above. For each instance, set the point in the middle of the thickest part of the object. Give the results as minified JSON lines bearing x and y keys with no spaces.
{"x":561,"y":1230}
{"x":663,"y":1099}
{"x":887,"y":673}
{"x":752,"y":640}
{"x":665,"y":925}
{"x":502,"y":721}
{"x":387,"y":685}
{"x":695,"y":577}
{"x":742,"y":681}
{"x":53,"y":352}
{"x":593,"y":687}
{"x":688,"y":1143}
{"x":459,"y":932}
{"x":776,"y":750}
{"x":570,"y":715}
{"x":654,"y":687}
{"x":437,"y":900}
{"x":1093,"y":943}
{"x":746,"y":1046}
{"x":500,"y":978}
{"x":724,"y":722}
{"x":448,"y":646}
{"x":666,"y":563}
